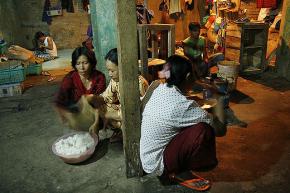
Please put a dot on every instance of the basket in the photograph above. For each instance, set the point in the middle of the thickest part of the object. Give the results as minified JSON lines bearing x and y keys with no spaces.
{"x":229,"y":71}
{"x":33,"y":69}
{"x":13,"y":74}
{"x":73,"y":159}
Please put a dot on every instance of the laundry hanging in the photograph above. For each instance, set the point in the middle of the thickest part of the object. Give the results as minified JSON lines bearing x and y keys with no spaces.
{"x":86,"y":3}
{"x":174,"y":6}
{"x":45,"y":17}
{"x":144,"y":15}
{"x":68,"y":5}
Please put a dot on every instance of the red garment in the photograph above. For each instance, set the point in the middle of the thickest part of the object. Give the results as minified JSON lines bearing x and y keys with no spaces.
{"x":193,"y":148}
{"x":72,"y":88}
{"x":266,"y":3}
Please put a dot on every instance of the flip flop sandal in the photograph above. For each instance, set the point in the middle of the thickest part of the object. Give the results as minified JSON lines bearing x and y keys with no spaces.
{"x":196,"y":183}
{"x":45,"y":73}
{"x":51,"y":79}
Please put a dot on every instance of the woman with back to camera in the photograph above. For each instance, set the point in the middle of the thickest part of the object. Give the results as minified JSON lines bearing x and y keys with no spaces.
{"x":176,"y":133}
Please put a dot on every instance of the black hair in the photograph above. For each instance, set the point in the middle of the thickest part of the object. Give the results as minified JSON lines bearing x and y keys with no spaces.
{"x":194,"y":26}
{"x":180,"y":67}
{"x":86,"y":52}
{"x":112,"y":55}
{"x":38,"y":35}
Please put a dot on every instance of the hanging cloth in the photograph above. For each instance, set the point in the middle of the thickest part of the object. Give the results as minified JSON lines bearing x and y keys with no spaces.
{"x":85,"y":5}
{"x":163,"y":6}
{"x":68,"y":5}
{"x":174,"y":6}
{"x":266,"y":3}
{"x":189,"y":4}
{"x":143,"y":14}
{"x":45,"y":17}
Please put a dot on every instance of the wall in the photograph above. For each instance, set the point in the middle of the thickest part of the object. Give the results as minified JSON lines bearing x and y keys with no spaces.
{"x":252,"y":10}
{"x":104,"y":30}
{"x":70,"y":29}
{"x":8,"y":21}
{"x":181,"y":25}
{"x":19,"y":20}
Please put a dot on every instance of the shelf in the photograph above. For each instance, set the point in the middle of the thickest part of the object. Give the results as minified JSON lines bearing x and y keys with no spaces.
{"x":252,"y":47}
{"x":251,"y":69}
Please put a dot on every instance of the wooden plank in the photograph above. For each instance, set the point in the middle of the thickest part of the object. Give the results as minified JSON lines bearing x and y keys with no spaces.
{"x":233,"y":42}
{"x":232,"y":54}
{"x":154,"y":44}
{"x":171,"y":41}
{"x":234,"y":30}
{"x":143,"y":50}
{"x":129,"y":87}
{"x":170,"y":44}
{"x":158,"y":27}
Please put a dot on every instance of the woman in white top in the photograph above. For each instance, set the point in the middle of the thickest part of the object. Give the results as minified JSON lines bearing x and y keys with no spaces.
{"x":176,"y":135}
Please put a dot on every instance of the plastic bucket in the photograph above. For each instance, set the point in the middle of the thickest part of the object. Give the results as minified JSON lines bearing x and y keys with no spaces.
{"x":229,"y":71}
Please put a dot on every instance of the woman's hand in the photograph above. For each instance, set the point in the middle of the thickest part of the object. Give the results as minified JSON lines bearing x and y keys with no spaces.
{"x":94,"y":100}
{"x":94,"y":129}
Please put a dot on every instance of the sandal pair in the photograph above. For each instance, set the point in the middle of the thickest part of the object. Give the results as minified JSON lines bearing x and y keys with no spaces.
{"x":196,"y":182}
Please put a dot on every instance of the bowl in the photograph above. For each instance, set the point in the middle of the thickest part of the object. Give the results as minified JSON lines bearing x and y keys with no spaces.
{"x":76,"y":158}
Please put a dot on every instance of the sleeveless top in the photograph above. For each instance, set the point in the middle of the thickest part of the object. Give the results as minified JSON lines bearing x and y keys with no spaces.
{"x":52,"y":52}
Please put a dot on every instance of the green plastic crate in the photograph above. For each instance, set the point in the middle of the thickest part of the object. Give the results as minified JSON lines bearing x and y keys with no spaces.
{"x":33,"y":69}
{"x":11,"y":75}
{"x":3,"y":48}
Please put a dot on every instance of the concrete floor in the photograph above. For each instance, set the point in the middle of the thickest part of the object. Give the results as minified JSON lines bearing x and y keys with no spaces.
{"x":254,"y":159}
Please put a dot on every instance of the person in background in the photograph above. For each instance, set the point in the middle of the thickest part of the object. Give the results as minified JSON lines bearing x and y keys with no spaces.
{"x":47,"y":48}
{"x":195,"y":49}
{"x":108,"y":103}
{"x":88,"y":43}
{"x":71,"y":101}
{"x":177,"y":135}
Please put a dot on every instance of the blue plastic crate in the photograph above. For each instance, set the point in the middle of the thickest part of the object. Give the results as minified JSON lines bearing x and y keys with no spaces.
{"x":13,"y":74}
{"x":33,"y":69}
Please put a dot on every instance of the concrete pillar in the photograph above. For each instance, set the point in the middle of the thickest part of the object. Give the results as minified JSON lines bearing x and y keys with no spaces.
{"x":103,"y":19}
{"x":283,"y":53}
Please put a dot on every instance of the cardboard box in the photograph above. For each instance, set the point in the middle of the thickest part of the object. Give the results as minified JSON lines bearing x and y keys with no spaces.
{"x":3,"y":48}
{"x":8,"y":90}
